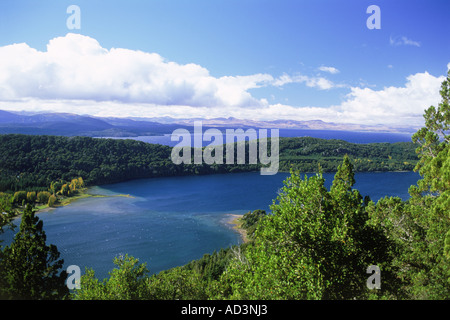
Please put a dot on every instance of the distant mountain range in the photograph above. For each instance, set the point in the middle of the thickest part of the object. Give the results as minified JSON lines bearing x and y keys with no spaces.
{"x":294,"y":124}
{"x":67,"y":124}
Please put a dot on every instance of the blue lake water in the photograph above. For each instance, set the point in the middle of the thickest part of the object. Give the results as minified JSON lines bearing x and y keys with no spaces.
{"x":167,"y":222}
{"x":350,"y":136}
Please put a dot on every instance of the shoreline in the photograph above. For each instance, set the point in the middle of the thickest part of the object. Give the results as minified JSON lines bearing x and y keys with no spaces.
{"x":234,"y":221}
{"x":65,"y":201}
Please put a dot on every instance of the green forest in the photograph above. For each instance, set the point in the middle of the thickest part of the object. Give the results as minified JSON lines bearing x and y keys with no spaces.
{"x":46,"y":170}
{"x":315,"y":244}
{"x":32,"y":163}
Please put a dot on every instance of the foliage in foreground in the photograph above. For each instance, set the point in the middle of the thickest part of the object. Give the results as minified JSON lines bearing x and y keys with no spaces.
{"x":29,"y":268}
{"x":316,"y":244}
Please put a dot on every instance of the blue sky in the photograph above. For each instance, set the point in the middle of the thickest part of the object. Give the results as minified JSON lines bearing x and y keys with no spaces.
{"x":255,"y":59}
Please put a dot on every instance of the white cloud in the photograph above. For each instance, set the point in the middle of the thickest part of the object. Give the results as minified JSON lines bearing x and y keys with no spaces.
{"x":403,"y":105}
{"x":77,"y":67}
{"x":76,"y":74}
{"x":331,"y":70}
{"x":320,"y":83}
{"x":392,"y":104}
{"x":312,"y":82}
{"x":398,"y":41}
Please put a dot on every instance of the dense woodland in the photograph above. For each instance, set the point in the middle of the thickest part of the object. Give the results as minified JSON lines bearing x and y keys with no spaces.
{"x":305,"y":154}
{"x":32,"y":163}
{"x":315,"y":244}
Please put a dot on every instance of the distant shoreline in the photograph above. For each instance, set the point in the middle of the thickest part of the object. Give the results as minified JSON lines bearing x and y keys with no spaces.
{"x":65,"y":201}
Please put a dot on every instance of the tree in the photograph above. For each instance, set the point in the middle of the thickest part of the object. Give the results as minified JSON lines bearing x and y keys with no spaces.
{"x":20,"y":197}
{"x":433,"y":150}
{"x":30,"y":267}
{"x":420,"y":227}
{"x":250,"y":221}
{"x":316,"y":244}
{"x":31,"y":197}
{"x":6,"y":210}
{"x":65,"y":190}
{"x":55,"y":186}
{"x":355,"y":244}
{"x":177,"y":283}
{"x":431,"y":202}
{"x":51,"y":201}
{"x":128,"y":281}
{"x":75,"y":185}
{"x":80,"y":182}
{"x":43,"y":196}
{"x":7,"y":214}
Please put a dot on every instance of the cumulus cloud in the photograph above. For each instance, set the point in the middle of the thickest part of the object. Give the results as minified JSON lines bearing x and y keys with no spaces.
{"x":76,"y":74}
{"x":331,"y":70}
{"x":399,"y":41}
{"x":393,"y":104}
{"x":312,"y":82}
{"x":402,"y":105}
{"x":77,"y":67}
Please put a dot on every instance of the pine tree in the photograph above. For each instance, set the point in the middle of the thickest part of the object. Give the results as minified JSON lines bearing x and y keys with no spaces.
{"x":434,"y":140}
{"x":420,"y":227}
{"x":29,"y":268}
{"x":431,"y":199}
{"x":316,"y":244}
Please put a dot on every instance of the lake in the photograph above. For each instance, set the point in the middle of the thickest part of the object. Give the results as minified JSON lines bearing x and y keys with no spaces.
{"x":167,"y":222}
{"x":349,"y":136}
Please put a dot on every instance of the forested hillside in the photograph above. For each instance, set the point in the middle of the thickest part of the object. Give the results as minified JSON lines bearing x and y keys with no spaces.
{"x":31,"y":163}
{"x":304,"y":154}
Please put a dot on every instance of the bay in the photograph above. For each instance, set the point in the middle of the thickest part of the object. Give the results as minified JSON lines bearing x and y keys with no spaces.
{"x":167,"y":222}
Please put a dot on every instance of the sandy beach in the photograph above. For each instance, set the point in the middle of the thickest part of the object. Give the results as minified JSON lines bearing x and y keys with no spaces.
{"x":234,"y":221}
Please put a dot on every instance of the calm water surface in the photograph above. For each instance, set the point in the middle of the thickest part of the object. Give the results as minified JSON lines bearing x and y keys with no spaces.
{"x":167,"y":222}
{"x":350,"y":136}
